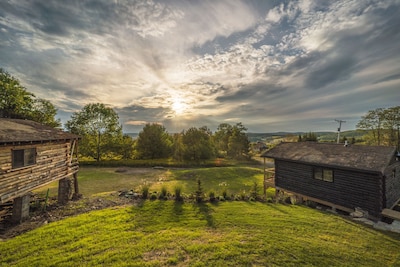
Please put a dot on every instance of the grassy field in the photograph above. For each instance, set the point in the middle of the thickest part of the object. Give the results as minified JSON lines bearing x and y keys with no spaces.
{"x":168,"y":233}
{"x":233,"y":180}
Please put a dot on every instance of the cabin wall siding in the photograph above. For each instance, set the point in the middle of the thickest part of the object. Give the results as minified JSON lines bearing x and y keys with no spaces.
{"x":392,"y":184}
{"x":53,"y":162}
{"x":349,"y":188}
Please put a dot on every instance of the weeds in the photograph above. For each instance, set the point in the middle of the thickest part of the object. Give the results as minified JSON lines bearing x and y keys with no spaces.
{"x":199,"y":192}
{"x":145,"y":191}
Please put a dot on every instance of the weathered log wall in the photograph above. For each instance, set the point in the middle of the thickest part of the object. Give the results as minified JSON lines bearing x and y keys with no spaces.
{"x":349,"y":189}
{"x":392,"y":184}
{"x":54,"y":161}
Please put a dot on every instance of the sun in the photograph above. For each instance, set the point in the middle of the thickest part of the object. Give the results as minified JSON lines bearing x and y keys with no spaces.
{"x":178,"y":106}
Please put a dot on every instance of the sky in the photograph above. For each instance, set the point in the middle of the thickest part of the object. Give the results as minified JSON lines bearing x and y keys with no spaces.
{"x":271,"y":65}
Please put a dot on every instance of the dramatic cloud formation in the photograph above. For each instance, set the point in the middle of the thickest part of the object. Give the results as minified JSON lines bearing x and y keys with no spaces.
{"x":272,"y":65}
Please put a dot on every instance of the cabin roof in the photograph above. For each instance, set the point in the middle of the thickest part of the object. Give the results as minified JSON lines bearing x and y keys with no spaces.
{"x":368,"y":158}
{"x":20,"y":131}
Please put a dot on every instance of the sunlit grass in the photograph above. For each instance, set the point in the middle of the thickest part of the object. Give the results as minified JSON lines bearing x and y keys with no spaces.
{"x":168,"y":233}
{"x":233,"y":180}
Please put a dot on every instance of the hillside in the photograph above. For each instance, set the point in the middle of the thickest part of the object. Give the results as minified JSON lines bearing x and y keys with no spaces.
{"x":322,"y":136}
{"x":168,"y":233}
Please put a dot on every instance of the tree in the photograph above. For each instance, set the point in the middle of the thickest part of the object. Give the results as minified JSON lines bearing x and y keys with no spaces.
{"x":197,"y":144}
{"x":309,"y":137}
{"x":99,"y":129}
{"x":391,"y":124}
{"x":17,"y":103}
{"x":153,"y":142}
{"x":221,"y":137}
{"x":232,"y":140}
{"x":177,"y":147}
{"x":372,"y":121}
{"x":238,"y":143}
{"x":382,"y":126}
{"x":44,"y":112}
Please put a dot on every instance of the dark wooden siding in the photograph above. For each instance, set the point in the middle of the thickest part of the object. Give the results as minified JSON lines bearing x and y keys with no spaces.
{"x":349,"y":189}
{"x":392,"y":184}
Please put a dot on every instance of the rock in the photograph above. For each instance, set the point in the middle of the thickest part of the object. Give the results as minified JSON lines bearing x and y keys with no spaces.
{"x":382,"y":226}
{"x":364,"y":220}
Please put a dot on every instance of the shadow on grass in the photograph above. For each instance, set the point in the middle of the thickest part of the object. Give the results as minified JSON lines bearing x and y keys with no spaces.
{"x":205,"y":211}
{"x":177,"y":209}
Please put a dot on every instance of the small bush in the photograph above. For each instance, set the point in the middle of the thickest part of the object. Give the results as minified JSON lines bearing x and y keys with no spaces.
{"x":199,"y":192}
{"x":178,"y":193}
{"x":145,"y":191}
{"x":254,"y":191}
{"x":224,"y":194}
{"x":153,"y":196}
{"x":163,"y":193}
{"x":211,"y":196}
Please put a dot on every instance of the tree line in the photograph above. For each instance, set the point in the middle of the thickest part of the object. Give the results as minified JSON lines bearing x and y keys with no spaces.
{"x":102,"y":138}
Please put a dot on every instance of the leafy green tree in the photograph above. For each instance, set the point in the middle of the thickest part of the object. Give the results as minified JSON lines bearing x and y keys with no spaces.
{"x":99,"y":129}
{"x":43,"y":111}
{"x":391,"y":125}
{"x":153,"y":142}
{"x":309,"y":137}
{"x":372,"y":122}
{"x":178,"y":147}
{"x":17,"y":103}
{"x":197,"y":144}
{"x":221,"y":137}
{"x":232,"y":140}
{"x":238,"y":143}
{"x":126,"y":147}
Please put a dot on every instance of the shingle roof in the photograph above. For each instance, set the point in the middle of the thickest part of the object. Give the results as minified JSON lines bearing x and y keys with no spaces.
{"x":370,"y":158}
{"x":16,"y":130}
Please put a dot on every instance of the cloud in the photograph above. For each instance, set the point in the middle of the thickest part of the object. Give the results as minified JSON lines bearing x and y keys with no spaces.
{"x":201,"y":63}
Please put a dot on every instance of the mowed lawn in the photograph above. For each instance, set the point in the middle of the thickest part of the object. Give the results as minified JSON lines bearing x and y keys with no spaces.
{"x":169,"y":233}
{"x":233,"y":233}
{"x":233,"y":180}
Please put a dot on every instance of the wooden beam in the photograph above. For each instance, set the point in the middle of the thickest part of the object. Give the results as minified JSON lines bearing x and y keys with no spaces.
{"x":392,"y":214}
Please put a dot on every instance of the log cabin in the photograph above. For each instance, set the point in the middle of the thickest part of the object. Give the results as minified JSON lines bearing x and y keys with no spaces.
{"x":343,"y":177}
{"x":31,"y":156}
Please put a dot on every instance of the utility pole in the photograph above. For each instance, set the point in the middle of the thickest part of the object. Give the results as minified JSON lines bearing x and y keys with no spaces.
{"x":338,"y":130}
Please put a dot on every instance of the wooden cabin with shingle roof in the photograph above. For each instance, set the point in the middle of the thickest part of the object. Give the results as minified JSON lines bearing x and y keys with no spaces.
{"x":31,"y":156}
{"x":341,"y":176}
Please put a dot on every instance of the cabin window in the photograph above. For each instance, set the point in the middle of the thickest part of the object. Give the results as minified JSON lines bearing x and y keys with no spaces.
{"x":323,"y":174}
{"x":23,"y":157}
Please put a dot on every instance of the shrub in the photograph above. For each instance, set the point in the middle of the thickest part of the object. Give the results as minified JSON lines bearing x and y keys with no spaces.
{"x":153,"y":196}
{"x":178,"y":193}
{"x":254,"y":191}
{"x":224,"y":193}
{"x":211,"y":195}
{"x":163,"y":193}
{"x":145,"y":191}
{"x":199,"y":192}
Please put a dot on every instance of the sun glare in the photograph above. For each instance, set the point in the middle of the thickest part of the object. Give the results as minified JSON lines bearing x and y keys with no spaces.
{"x":178,"y":106}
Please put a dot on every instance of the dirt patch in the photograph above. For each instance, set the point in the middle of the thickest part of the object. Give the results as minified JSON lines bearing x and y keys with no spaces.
{"x":129,"y":170}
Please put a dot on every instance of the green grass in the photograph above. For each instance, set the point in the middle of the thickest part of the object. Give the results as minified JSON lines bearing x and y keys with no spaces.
{"x":233,"y":180}
{"x":167,"y":233}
